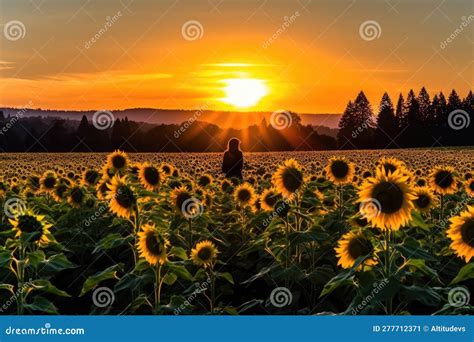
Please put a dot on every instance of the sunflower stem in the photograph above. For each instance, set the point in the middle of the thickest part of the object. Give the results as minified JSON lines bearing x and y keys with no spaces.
{"x":388,"y":268}
{"x":340,"y":201}
{"x":158,"y":284}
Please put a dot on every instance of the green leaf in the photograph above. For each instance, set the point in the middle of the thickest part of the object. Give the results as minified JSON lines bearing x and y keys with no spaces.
{"x":344,"y":278}
{"x":170,"y":278}
{"x":41,"y":304}
{"x":308,"y":236}
{"x":112,"y":240}
{"x":8,"y":287}
{"x":46,"y":286}
{"x":227,"y":276}
{"x":93,"y":281}
{"x":5,"y":257}
{"x":411,"y":249}
{"x":418,"y":221}
{"x":179,"y":252}
{"x":57,"y":263}
{"x":465,"y":273}
{"x":420,"y":265}
{"x":36,"y":257}
{"x":425,"y":295}
{"x":180,"y":271}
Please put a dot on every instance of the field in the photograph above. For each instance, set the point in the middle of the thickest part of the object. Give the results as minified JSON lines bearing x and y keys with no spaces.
{"x":356,"y":232}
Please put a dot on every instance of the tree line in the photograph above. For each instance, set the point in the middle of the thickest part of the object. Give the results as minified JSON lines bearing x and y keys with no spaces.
{"x":416,"y":121}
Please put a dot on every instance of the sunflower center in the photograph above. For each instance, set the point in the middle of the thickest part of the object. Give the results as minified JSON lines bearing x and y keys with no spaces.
{"x":154,"y":245}
{"x":244,"y":195}
{"x":29,"y":224}
{"x":204,"y":181}
{"x":292,"y":179}
{"x":339,"y":168}
{"x":390,"y":197}
{"x":49,"y":182}
{"x":181,"y":198}
{"x":444,"y":179}
{"x":152,"y":176}
{"x":422,"y":201}
{"x":359,"y":247}
{"x":204,"y":254}
{"x":77,"y":195}
{"x":271,"y":199}
{"x":471,"y":186}
{"x":125,"y":196}
{"x":467,"y":232}
{"x":91,"y":177}
{"x":119,"y":162}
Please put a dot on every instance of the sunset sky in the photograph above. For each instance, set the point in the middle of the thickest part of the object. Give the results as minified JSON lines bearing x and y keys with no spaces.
{"x":146,"y":58}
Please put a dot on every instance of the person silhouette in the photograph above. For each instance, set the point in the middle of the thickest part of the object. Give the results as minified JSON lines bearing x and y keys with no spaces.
{"x":233,"y":162}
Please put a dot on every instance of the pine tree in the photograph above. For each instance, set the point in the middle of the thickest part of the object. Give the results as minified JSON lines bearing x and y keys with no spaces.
{"x":346,"y":126}
{"x":83,"y":129}
{"x":424,"y":105}
{"x":400,"y":112}
{"x":386,"y":123}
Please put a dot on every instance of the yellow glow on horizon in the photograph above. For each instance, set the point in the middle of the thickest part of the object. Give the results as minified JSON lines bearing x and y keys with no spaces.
{"x":244,"y":92}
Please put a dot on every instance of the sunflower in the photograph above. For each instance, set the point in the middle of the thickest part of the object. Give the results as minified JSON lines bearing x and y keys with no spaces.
{"x":167,"y":169}
{"x":32,"y":227}
{"x":90,"y":177}
{"x":117,"y":161}
{"x":101,"y":189}
{"x":34,"y":183}
{"x":204,"y":253}
{"x":461,"y":232}
{"x":205,"y":180}
{"x":424,"y":200}
{"x":288,"y":179}
{"x":469,"y":186}
{"x":59,"y":192}
{"x":150,"y":177}
{"x":390,"y":164}
{"x":244,"y":194}
{"x":122,"y":198}
{"x":339,"y":170}
{"x":226,"y":186}
{"x":392,"y":197}
{"x":48,"y":181}
{"x":181,"y":198}
{"x":76,"y":196}
{"x":352,"y":246}
{"x":442,"y":180}
{"x":152,"y":245}
{"x":268,"y":199}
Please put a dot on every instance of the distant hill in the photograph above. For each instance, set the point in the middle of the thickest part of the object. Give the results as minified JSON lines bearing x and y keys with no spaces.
{"x":222,"y":119}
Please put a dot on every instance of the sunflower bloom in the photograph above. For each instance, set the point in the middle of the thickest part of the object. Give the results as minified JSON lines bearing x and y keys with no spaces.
{"x":288,"y":179}
{"x":352,"y":246}
{"x":204,"y":253}
{"x":123,"y":201}
{"x":339,"y":170}
{"x":152,"y":245}
{"x":461,"y":232}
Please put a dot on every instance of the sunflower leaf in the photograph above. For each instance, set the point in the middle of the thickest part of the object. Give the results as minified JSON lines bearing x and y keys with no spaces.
{"x":465,"y":273}
{"x":93,"y":281}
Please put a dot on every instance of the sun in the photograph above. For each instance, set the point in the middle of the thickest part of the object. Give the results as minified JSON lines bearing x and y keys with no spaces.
{"x":244,"y":92}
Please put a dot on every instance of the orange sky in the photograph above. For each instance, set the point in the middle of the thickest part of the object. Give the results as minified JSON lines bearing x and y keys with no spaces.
{"x":316,"y":61}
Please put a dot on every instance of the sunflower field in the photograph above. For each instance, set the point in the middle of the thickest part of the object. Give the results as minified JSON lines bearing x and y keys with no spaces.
{"x":305,"y":233}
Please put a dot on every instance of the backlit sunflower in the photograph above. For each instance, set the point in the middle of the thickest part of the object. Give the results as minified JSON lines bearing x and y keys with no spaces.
{"x":48,"y":181}
{"x":442,"y":180}
{"x":60,"y":191}
{"x":352,"y":246}
{"x":425,"y":199}
{"x":205,"y":180}
{"x":204,"y":253}
{"x":152,"y":245}
{"x":123,"y":201}
{"x":390,"y":164}
{"x":167,"y":169}
{"x":76,"y":196}
{"x":461,"y":232}
{"x":244,"y":194}
{"x":32,"y":227}
{"x":268,"y":199}
{"x":288,"y":178}
{"x":150,"y":177}
{"x":339,"y":170}
{"x":181,"y":197}
{"x":392,"y":196}
{"x":101,"y":189}
{"x":469,"y":186}
{"x":117,"y":161}
{"x":90,"y":177}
